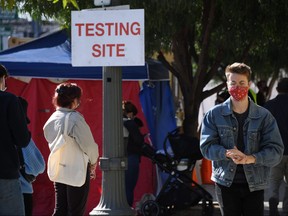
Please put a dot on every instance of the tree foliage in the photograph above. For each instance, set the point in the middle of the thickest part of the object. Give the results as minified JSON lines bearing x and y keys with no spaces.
{"x":206,"y":35}
{"x":203,"y":36}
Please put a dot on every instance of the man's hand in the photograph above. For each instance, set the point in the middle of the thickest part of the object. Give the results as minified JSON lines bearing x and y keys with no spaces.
{"x":239,"y":157}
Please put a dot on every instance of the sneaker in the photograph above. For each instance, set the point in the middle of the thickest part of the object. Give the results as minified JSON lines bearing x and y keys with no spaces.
{"x":273,"y":207}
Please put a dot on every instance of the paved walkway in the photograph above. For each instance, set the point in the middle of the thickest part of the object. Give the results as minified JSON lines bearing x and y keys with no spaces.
{"x":197,"y":210}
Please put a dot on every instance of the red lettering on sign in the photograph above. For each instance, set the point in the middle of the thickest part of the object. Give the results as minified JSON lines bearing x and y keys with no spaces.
{"x":120,"y":50}
{"x":97,"y":50}
{"x":79,"y":25}
{"x":108,"y":29}
{"x":89,"y":29}
{"x":99,"y":29}
{"x":112,"y":50}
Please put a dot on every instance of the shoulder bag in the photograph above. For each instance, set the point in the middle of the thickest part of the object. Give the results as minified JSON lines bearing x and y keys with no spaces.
{"x":67,"y":163}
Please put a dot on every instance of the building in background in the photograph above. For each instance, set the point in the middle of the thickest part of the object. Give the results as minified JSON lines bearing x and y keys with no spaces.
{"x":21,"y":30}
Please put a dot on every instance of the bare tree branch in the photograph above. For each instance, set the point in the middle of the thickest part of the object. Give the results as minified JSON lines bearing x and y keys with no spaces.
{"x":202,"y":66}
{"x":246,"y":51}
{"x":214,"y":69}
{"x":164,"y":61}
{"x":212,"y":91}
{"x":192,"y":50}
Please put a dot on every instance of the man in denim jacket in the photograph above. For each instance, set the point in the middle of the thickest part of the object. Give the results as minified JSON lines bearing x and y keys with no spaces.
{"x":243,"y":142}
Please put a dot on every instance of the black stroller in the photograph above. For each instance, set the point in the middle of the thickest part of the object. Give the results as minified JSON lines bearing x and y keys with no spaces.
{"x":179,"y":191}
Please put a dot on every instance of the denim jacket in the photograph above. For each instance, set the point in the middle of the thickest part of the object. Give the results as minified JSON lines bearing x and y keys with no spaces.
{"x":262,"y":139}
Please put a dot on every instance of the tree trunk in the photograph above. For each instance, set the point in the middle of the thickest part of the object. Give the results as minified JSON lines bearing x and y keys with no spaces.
{"x":191,"y":111}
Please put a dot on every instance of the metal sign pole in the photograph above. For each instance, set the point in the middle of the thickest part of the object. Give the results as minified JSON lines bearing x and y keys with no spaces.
{"x":113,"y":162}
{"x":105,"y":49}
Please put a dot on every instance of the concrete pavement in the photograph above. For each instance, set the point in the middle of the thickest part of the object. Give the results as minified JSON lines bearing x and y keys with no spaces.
{"x":197,"y":210}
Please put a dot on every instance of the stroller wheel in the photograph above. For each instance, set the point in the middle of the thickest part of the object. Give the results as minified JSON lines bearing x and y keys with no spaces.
{"x":150,"y":208}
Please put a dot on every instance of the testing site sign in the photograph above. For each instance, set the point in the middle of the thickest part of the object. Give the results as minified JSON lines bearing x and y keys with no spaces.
{"x":108,"y":38}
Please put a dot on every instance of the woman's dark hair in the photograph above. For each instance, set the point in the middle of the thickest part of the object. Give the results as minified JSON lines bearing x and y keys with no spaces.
{"x":128,"y":107}
{"x":282,"y":86}
{"x":65,"y":94}
{"x":3,"y":71}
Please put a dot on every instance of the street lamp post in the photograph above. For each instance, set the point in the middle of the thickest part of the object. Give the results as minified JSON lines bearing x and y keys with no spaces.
{"x":113,"y":162}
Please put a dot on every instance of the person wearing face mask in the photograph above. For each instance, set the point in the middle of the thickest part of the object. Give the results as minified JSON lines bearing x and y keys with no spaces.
{"x":14,"y":133}
{"x":243,"y":142}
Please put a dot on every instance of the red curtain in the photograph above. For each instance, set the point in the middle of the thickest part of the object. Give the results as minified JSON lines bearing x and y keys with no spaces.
{"x":38,"y":93}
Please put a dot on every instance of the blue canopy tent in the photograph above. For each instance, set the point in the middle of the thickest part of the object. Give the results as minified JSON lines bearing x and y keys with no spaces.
{"x":50,"y":57}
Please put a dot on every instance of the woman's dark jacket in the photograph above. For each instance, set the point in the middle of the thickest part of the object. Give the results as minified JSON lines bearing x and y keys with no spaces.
{"x":13,"y":132}
{"x":133,"y":139}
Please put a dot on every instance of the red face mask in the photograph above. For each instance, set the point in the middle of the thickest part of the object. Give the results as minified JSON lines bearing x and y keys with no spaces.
{"x":238,"y":92}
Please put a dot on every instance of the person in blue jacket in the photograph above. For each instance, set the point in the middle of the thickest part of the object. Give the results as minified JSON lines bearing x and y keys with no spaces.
{"x":13,"y":133}
{"x":243,"y":142}
{"x":34,"y":165}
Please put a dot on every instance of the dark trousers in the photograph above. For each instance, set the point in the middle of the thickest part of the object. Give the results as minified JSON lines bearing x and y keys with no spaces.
{"x":28,"y":203}
{"x":71,"y":200}
{"x":237,"y":200}
{"x":131,"y":177}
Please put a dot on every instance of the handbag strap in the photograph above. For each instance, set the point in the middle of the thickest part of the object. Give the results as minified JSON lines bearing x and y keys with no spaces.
{"x":66,"y":123}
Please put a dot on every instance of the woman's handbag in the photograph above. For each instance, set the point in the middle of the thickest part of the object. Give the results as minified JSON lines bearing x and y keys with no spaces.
{"x":67,"y":163}
{"x":28,"y":177}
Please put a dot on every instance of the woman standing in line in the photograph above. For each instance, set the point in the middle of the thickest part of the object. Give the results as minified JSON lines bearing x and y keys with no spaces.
{"x":32,"y":164}
{"x":133,"y":141}
{"x":71,"y":200}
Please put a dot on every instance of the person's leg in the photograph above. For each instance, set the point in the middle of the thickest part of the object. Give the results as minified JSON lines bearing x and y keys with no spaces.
{"x":11,"y":198}
{"x":77,"y":198}
{"x":28,"y":203}
{"x":285,"y":196}
{"x":253,"y":202}
{"x":285,"y":200}
{"x":229,"y":200}
{"x":276,"y":178}
{"x":131,"y":177}
{"x":60,"y":199}
{"x":218,"y":195}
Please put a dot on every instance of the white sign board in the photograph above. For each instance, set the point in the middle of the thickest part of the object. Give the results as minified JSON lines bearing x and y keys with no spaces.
{"x":108,"y":38}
